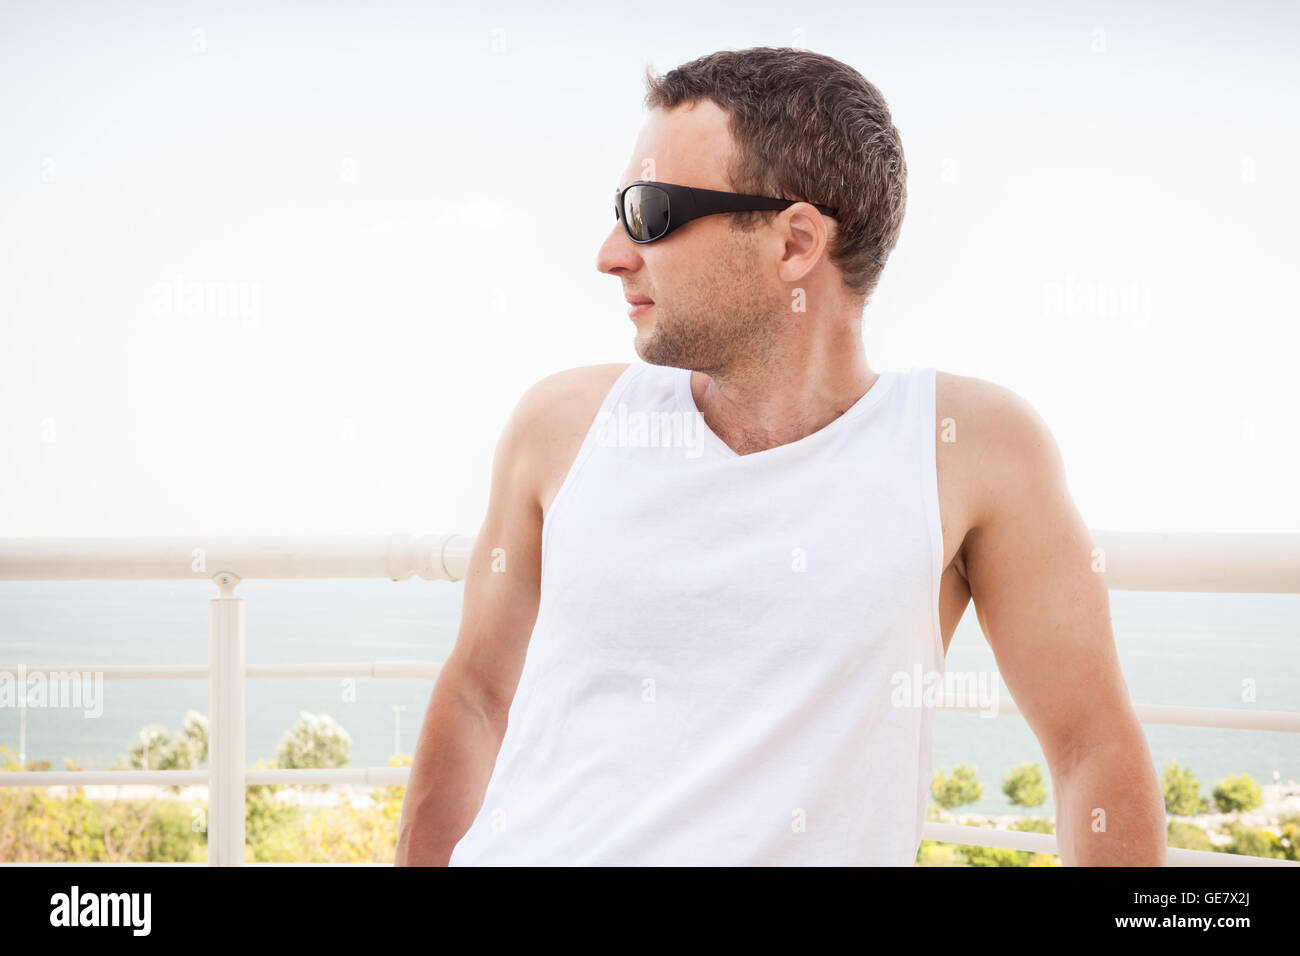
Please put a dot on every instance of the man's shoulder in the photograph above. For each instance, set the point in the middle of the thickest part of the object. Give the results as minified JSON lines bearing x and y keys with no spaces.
{"x":549,"y":423}
{"x":987,"y":410}
{"x":556,"y":411}
{"x":580,"y":380}
{"x":569,"y":395}
{"x":994,"y":438}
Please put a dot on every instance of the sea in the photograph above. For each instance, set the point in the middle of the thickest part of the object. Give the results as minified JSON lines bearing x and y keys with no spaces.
{"x":1210,"y":650}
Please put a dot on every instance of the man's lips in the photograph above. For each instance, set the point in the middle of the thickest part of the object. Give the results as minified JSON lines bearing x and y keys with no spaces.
{"x":638,"y":305}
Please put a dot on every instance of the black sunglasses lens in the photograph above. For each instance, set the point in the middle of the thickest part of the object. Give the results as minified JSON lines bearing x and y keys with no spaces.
{"x":645,"y":212}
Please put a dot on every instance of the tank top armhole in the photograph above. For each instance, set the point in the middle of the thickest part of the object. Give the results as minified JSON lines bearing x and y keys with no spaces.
{"x":927,"y":403}
{"x":588,"y":443}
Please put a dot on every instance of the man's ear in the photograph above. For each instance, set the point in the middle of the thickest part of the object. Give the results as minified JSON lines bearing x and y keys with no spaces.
{"x":804,"y":235}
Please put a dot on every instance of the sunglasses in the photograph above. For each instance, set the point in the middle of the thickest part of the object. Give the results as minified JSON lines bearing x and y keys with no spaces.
{"x":650,"y":211}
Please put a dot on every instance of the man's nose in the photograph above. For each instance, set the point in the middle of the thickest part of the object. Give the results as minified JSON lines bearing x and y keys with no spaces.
{"x":618,"y":253}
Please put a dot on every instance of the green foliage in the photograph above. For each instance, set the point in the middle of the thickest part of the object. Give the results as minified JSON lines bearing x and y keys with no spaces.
{"x":1289,"y":840}
{"x":1188,"y":836}
{"x":1237,"y":793}
{"x":1033,"y":825}
{"x":1182,"y":791}
{"x":957,"y":788}
{"x":995,"y":856}
{"x":338,"y":834}
{"x":174,"y":835}
{"x":271,"y":828}
{"x":931,"y":853}
{"x":316,"y":741}
{"x":155,"y":749}
{"x":1024,"y":786}
{"x":37,"y":827}
{"x":1250,"y":841}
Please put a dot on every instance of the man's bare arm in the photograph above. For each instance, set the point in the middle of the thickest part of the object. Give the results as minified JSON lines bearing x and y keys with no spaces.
{"x":466,"y":717}
{"x":1046,"y":614}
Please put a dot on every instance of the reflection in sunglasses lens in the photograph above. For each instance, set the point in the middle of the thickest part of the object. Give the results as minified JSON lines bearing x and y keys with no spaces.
{"x":645,"y":209}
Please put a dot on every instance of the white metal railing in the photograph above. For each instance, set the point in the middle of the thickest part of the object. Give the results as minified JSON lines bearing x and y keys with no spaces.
{"x":1247,"y":563}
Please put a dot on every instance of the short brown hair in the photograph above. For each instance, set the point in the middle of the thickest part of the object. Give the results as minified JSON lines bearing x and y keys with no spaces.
{"x":807,"y":127}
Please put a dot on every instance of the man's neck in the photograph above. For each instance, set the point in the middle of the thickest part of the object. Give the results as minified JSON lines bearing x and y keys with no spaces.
{"x":800,"y":389}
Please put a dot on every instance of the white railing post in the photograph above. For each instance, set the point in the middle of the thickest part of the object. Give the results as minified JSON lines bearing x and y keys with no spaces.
{"x":226,"y":724}
{"x":22,"y":718}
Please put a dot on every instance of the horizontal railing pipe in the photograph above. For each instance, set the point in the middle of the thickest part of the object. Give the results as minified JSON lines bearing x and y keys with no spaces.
{"x":1239,"y":562}
{"x":386,"y":670}
{"x":104,"y":778}
{"x":1244,"y":562}
{"x":1223,"y":718}
{"x":441,"y":557}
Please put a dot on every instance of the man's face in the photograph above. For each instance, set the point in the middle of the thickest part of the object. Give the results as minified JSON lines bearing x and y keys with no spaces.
{"x":713,"y":302}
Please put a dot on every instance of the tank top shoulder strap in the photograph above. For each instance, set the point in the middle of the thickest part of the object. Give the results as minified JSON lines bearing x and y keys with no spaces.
{"x":621,"y":391}
{"x":923,"y":424}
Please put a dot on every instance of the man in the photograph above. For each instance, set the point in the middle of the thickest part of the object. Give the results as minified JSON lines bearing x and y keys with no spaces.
{"x":705,"y":577}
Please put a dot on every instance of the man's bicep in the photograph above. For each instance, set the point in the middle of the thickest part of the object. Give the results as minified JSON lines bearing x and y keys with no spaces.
{"x":503,"y":577}
{"x":1042,"y":605}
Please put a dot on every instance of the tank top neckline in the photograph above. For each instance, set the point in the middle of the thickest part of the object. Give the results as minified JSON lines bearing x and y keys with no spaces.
{"x":870,"y":399}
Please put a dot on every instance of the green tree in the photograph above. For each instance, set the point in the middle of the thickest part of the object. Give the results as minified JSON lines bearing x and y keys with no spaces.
{"x":952,"y":790}
{"x":1237,"y":793}
{"x":316,"y":741}
{"x":1182,"y":791}
{"x":190,"y":746}
{"x":1023,"y":785}
{"x":155,"y":749}
{"x":149,"y":749}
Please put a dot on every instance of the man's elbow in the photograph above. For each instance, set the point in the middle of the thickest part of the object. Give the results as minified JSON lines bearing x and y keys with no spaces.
{"x":1110,"y":809}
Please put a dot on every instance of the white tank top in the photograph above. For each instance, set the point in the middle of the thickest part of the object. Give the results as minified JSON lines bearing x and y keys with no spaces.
{"x":725,"y":643}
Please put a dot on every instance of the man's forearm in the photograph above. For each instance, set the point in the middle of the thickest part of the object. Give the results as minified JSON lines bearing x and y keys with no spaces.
{"x":453,"y":762}
{"x":1109,"y":808}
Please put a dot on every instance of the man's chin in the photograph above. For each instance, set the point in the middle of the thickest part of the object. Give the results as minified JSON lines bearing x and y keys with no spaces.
{"x":643,"y":342}
{"x":650,"y":350}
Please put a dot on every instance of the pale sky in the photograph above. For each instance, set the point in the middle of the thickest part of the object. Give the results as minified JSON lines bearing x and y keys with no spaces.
{"x":270,"y":270}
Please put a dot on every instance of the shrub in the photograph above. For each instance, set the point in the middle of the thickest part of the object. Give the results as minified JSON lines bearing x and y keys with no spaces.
{"x":1232,"y":794}
{"x":1249,"y":841}
{"x":1188,"y":836}
{"x":1024,"y":786}
{"x":1182,"y":791}
{"x":315,"y":741}
{"x":957,"y":788}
